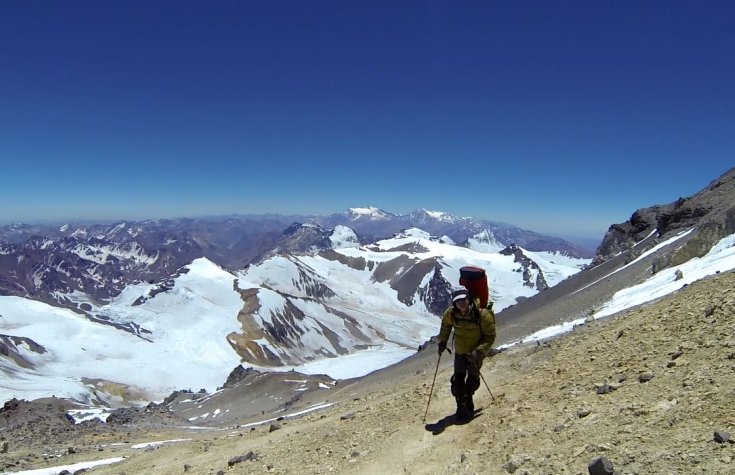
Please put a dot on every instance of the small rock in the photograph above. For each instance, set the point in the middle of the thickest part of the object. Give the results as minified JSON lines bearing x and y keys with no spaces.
{"x":676,"y":353}
{"x":515,"y":461}
{"x":605,"y":388}
{"x":348,"y":416}
{"x":600,"y":466}
{"x":187,"y":467}
{"x":274,"y":427}
{"x":511,"y":466}
{"x":582,"y":413}
{"x":242,"y":458}
{"x":721,"y":437}
{"x":645,"y":377}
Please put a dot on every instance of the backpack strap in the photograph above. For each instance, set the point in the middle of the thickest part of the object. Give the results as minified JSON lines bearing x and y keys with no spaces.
{"x":474,"y":311}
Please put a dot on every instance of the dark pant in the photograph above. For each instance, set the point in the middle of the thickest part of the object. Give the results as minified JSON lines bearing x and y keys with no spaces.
{"x":466,"y":377}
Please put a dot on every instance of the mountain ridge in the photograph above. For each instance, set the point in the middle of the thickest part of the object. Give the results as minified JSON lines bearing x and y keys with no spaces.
{"x":101,"y":259}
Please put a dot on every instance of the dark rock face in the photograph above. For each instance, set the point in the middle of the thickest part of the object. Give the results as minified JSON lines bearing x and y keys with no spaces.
{"x":300,"y":238}
{"x":310,"y":285}
{"x":238,"y":374}
{"x":38,"y":418}
{"x":527,"y":266}
{"x":102,"y":259}
{"x":437,"y":295}
{"x":711,"y":213}
{"x":45,"y":269}
{"x":151,"y":414}
{"x":623,"y":236}
{"x":283,"y":327}
{"x":17,"y":349}
{"x":358,"y":263}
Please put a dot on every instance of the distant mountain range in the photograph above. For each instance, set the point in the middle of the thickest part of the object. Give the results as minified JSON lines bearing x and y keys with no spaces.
{"x":48,"y":263}
{"x":374,"y":223}
{"x":234,"y":241}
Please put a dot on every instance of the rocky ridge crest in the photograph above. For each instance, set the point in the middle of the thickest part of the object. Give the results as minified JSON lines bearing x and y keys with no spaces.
{"x":711,"y":212}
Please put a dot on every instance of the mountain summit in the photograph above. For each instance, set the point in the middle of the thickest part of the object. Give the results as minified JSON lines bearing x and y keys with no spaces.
{"x":370,"y":213}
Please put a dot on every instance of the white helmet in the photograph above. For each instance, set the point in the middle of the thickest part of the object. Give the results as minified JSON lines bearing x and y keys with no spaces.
{"x":459,"y":293}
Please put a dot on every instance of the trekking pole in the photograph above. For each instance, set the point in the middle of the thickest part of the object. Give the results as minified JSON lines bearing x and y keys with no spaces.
{"x":488,"y":387}
{"x":432,"y":386}
{"x":483,"y":379}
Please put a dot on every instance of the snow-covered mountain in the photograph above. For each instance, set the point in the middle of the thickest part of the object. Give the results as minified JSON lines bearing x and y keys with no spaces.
{"x":484,"y":241}
{"x":342,"y":236}
{"x":292,"y":310}
{"x":389,"y":291}
{"x":426,"y":217}
{"x":375,"y":223}
{"x":131,"y":351}
{"x":100,"y":260}
{"x":231,"y":242}
{"x":370,"y":213}
{"x":51,"y":270}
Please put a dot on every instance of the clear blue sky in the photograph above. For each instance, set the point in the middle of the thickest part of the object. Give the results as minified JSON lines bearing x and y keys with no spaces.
{"x":558,"y":116}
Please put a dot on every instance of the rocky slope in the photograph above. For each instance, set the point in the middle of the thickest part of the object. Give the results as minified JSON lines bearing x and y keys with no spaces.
{"x":651,"y":391}
{"x":711,"y":212}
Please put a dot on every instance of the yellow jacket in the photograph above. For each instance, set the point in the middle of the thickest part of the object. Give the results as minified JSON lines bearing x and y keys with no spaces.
{"x":469,"y":334}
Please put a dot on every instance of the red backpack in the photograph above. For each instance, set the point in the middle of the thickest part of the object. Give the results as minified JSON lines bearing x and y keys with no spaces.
{"x":474,"y":279}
